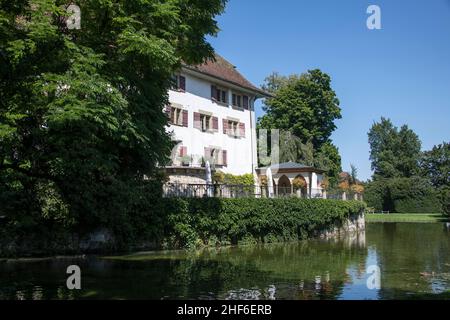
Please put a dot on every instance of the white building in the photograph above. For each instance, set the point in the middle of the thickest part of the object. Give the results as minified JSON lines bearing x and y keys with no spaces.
{"x":212,"y":118}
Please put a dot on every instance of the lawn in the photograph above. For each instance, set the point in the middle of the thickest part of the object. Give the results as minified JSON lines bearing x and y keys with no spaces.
{"x":406,"y":217}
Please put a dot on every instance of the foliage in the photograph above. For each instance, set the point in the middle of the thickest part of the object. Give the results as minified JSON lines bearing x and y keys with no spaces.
{"x":435,"y":164}
{"x":194,"y":221}
{"x":263,"y":181}
{"x":393,"y":153}
{"x":444,"y":195}
{"x":230,"y":179}
{"x":344,"y":185}
{"x":403,"y":195}
{"x":404,"y":217}
{"x":304,"y":108}
{"x":350,"y":182}
{"x":357,"y":188}
{"x":293,"y":150}
{"x":327,"y":158}
{"x":299,"y":183}
{"x":79,"y":128}
{"x":304,"y":104}
{"x":325,"y":184}
{"x":353,"y":174}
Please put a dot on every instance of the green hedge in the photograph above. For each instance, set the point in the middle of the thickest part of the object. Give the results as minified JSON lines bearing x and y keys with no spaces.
{"x":403,"y":195}
{"x":151,"y":221}
{"x":212,"y":221}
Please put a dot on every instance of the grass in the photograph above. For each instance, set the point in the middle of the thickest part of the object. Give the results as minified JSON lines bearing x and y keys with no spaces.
{"x":406,"y":217}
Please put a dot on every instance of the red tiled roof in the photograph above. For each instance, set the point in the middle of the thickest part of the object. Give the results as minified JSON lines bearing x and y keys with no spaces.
{"x":224,"y":70}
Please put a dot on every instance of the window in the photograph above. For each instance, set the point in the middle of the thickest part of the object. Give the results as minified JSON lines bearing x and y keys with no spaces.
{"x":237,"y":100}
{"x":240,"y":101}
{"x":206,"y":122}
{"x":218,"y":94}
{"x":182,"y":151}
{"x":233,"y":128}
{"x":178,"y":83}
{"x":216,"y":156}
{"x":177,"y":116}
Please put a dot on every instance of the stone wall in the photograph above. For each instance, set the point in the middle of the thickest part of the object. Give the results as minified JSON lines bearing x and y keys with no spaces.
{"x":353,"y":225}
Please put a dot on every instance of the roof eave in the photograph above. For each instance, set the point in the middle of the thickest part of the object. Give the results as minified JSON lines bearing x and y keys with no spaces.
{"x":259,"y":93}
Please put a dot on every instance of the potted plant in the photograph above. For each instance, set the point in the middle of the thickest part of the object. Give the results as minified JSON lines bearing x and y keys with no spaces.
{"x":357,"y":188}
{"x":325,"y":184}
{"x":299,"y":183}
{"x":186,"y":160}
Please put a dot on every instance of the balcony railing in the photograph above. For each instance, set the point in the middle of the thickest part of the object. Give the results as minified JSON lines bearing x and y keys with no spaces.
{"x":249,"y":191}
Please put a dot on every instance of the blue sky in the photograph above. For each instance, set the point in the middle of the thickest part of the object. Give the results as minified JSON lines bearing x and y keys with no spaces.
{"x":401,"y":71}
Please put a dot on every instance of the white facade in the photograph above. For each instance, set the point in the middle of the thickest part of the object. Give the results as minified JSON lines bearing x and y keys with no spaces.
{"x":230,"y":154}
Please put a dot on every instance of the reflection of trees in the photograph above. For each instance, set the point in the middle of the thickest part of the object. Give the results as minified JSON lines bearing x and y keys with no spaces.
{"x":305,"y":270}
{"x":412,"y":257}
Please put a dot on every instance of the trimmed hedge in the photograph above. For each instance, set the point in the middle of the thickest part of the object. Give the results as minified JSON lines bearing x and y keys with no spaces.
{"x":212,"y":221}
{"x":155,"y":222}
{"x":403,"y":195}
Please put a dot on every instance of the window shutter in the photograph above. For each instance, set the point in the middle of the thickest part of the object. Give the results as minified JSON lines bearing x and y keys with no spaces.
{"x":197,"y":121}
{"x":245,"y":102}
{"x":185,"y":118}
{"x":182,"y":83}
{"x":242,"y":129}
{"x":225,"y":126}
{"x":168,"y":112}
{"x":213,"y":92}
{"x":215,"y":123}
{"x":224,"y":158}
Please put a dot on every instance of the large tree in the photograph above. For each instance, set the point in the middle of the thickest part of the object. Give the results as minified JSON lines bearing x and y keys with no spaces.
{"x":304,"y":104}
{"x":435,"y":164}
{"x":81,"y":111}
{"x":393,"y":152}
{"x":304,"y":107}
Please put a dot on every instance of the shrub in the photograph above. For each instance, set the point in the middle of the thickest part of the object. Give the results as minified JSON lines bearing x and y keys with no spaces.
{"x":444,"y":194}
{"x":191,"y":222}
{"x":403,"y":195}
{"x":226,"y":178}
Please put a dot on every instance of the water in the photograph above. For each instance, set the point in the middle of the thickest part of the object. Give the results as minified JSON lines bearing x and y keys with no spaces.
{"x":414,"y":260}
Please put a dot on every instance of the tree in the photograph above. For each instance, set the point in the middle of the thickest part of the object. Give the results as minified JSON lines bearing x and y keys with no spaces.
{"x":435,"y":164}
{"x":304,"y":104}
{"x":403,"y":195}
{"x":292,"y":149}
{"x":81,"y":111}
{"x":393,"y":152}
{"x":328,"y":158}
{"x":353,"y":174}
{"x":304,"y":108}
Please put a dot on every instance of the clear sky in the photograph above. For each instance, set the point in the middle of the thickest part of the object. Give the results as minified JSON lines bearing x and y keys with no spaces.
{"x":401,"y":71}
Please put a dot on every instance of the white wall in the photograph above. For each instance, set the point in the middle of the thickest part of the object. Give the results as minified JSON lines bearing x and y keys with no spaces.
{"x":198,"y":97}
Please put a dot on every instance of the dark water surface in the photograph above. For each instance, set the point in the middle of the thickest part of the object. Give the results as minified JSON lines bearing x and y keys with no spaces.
{"x":414,"y":260}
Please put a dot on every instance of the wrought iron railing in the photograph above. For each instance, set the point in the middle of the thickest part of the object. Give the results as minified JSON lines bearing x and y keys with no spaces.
{"x":249,"y":191}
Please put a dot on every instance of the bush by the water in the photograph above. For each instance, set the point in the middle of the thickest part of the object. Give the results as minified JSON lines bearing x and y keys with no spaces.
{"x":213,"y":221}
{"x":403,"y":195}
{"x":182,"y":223}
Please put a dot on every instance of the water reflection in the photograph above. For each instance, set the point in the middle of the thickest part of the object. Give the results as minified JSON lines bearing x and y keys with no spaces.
{"x":414,"y":260}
